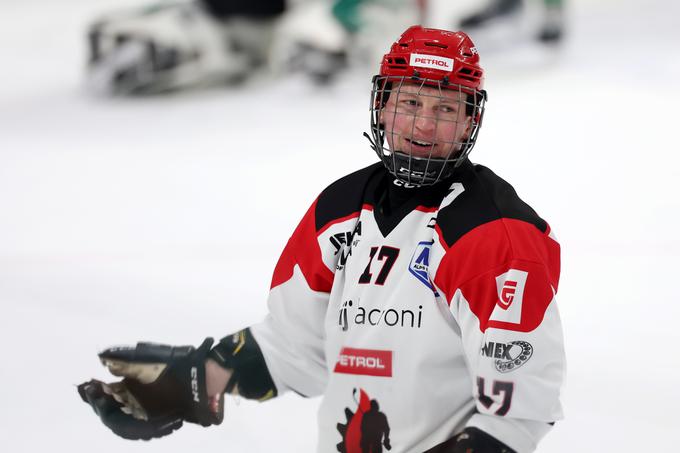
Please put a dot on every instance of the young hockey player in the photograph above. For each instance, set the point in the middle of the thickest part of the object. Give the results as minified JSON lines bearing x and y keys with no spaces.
{"x":416,"y":296}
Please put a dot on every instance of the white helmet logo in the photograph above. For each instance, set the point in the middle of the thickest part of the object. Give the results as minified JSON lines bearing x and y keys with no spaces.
{"x":431,"y":61}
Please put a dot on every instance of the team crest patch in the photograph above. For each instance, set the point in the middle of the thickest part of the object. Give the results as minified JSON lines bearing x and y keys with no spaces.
{"x":420,"y":264}
{"x":367,"y":429}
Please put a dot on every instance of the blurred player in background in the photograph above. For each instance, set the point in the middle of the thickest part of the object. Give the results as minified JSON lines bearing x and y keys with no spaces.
{"x":173,"y":45}
{"x":322,"y":37}
{"x":416,"y":296}
{"x":548,"y":21}
{"x":189,"y":43}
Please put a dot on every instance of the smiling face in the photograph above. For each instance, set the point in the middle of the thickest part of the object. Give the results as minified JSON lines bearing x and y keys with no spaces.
{"x":424,"y":121}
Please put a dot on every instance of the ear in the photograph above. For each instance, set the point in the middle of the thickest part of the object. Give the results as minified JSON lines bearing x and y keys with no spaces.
{"x":468,"y":128}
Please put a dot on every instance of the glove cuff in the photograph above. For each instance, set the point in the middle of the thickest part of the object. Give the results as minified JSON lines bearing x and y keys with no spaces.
{"x":241,"y":354}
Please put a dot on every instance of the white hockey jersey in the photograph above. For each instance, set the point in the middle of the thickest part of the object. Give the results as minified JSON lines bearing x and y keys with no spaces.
{"x":416,"y":312}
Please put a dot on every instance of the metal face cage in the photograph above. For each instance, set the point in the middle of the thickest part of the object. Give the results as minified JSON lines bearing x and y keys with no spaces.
{"x":422,"y":129}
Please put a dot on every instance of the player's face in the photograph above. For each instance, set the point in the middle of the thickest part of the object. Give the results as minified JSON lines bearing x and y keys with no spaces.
{"x":425,"y":121}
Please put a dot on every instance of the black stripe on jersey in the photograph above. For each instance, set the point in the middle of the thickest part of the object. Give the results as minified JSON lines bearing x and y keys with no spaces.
{"x":345,"y":196}
{"x":487,"y":197}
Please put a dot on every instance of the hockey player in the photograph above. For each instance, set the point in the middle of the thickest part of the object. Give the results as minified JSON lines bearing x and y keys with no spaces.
{"x":322,"y":37}
{"x":173,"y":45}
{"x":417,"y":295}
{"x":551,"y":23}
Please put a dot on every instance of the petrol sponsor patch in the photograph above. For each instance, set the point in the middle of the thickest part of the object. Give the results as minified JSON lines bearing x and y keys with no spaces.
{"x":367,"y":362}
{"x":431,"y":61}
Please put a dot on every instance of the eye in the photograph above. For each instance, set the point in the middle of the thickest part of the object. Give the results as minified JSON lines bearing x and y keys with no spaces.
{"x":409,"y":102}
{"x":448,"y":108}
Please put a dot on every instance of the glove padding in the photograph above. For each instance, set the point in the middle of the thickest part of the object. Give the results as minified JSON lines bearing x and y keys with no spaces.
{"x":116,"y":418}
{"x":162,"y":387}
{"x":472,"y":440}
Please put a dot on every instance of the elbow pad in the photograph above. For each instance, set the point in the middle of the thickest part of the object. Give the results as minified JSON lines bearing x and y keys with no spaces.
{"x":241,"y":354}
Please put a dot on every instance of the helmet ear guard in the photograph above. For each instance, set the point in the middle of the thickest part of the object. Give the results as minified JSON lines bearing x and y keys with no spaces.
{"x":437,"y":59}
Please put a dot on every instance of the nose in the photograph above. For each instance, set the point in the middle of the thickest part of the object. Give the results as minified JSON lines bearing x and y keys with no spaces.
{"x":425,"y":123}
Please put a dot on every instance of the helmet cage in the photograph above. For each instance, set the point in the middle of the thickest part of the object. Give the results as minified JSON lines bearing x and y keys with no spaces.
{"x":403,"y":164}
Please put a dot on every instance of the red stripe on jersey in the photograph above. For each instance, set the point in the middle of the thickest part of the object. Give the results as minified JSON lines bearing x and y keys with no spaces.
{"x":303,"y":249}
{"x":426,"y":208}
{"x":483,"y":263}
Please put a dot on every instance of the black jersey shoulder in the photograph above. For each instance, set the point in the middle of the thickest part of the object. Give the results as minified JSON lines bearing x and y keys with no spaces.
{"x":487,"y":197}
{"x":345,"y":196}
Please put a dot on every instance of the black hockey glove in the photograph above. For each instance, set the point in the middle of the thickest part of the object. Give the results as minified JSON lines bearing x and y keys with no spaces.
{"x":250,"y":377}
{"x":472,"y":440}
{"x":162,"y":386}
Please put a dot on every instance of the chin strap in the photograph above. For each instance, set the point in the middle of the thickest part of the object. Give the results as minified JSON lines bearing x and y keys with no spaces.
{"x":374,"y":147}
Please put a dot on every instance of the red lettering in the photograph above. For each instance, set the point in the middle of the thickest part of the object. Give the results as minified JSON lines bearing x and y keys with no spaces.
{"x":431,"y":61}
{"x":507,"y":294}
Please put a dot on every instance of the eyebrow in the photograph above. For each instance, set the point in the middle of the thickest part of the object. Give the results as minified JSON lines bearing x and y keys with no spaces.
{"x":443,"y":99}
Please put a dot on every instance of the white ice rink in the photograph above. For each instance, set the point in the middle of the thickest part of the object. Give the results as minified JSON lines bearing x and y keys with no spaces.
{"x":162,"y":219}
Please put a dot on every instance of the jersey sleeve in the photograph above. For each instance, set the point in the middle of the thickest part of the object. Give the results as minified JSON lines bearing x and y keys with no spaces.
{"x":291,"y":336}
{"x":500,"y":281}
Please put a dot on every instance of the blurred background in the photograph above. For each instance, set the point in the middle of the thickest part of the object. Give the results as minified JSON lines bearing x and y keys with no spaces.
{"x":148,"y":186}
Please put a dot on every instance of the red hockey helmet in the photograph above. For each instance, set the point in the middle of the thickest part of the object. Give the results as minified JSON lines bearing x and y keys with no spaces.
{"x":441,"y":55}
{"x":444,"y":65}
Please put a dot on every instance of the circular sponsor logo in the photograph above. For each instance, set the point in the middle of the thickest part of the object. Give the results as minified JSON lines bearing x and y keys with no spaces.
{"x":520,"y":353}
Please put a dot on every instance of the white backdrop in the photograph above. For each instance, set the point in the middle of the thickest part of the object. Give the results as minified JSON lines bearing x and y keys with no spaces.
{"x":161,"y":219}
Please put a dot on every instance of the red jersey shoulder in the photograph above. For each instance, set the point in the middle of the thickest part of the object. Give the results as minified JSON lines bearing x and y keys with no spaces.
{"x":303,"y":250}
{"x":340,"y":201}
{"x":498,"y":253}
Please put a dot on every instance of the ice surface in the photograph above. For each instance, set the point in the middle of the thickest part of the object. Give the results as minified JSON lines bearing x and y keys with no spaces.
{"x":161,"y":219}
